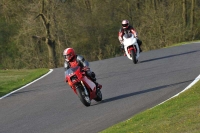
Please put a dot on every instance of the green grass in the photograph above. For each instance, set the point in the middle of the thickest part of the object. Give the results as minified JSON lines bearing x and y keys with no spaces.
{"x":13,"y":79}
{"x":182,"y":43}
{"x":178,"y":115}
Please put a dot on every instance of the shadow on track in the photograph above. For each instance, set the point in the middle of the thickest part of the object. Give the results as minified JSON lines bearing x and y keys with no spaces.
{"x":140,"y":92}
{"x":168,"y":56}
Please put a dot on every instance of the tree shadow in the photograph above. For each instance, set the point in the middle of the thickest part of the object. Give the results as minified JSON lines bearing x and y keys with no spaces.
{"x":139,"y":92}
{"x":169,"y":56}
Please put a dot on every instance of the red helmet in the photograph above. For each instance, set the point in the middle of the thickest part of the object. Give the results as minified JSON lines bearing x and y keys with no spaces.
{"x":125,"y":24}
{"x":69,"y":54}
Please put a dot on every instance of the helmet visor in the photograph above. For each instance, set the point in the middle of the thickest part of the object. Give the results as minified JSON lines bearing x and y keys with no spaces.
{"x":124,"y":25}
{"x":67,"y":56}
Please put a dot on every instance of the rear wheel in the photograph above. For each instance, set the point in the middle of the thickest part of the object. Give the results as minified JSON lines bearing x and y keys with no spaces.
{"x":85,"y":99}
{"x":133,"y":55}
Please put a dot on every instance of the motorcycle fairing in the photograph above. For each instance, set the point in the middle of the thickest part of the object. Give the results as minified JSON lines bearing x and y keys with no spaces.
{"x":130,"y":42}
{"x":89,"y":83}
{"x":73,"y":72}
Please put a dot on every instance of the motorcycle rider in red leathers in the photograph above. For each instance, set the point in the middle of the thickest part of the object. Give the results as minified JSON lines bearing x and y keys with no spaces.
{"x":72,"y":60}
{"x":129,"y":28}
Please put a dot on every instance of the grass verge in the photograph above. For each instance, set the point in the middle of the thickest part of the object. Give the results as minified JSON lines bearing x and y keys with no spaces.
{"x":182,"y":43}
{"x":13,"y":79}
{"x":178,"y":115}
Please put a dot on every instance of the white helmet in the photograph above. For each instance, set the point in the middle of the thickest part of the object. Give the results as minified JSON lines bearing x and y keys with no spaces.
{"x":125,"y":24}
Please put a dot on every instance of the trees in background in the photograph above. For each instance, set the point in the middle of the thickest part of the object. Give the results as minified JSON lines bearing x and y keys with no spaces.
{"x":34,"y":33}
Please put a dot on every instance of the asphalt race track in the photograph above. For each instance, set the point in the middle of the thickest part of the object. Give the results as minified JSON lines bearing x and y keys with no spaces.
{"x":50,"y":106}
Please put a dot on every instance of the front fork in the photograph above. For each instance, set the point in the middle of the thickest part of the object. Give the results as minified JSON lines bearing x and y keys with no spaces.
{"x":85,"y":90}
{"x":131,"y":48}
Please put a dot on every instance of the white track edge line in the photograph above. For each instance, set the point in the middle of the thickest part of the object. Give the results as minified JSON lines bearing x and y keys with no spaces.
{"x":189,"y":86}
{"x":51,"y":70}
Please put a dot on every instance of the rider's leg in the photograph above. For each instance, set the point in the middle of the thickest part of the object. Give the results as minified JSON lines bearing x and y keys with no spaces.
{"x":92,"y":76}
{"x":139,"y":43}
{"x":122,"y":49}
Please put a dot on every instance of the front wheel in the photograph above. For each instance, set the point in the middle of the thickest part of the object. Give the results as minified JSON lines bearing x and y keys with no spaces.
{"x":133,"y":55}
{"x":85,"y":99}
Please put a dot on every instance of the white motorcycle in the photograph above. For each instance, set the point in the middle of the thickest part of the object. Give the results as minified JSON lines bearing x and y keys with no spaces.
{"x":131,"y":47}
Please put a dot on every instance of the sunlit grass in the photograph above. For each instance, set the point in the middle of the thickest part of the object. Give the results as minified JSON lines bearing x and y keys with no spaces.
{"x":178,"y":115}
{"x":14,"y":79}
{"x":182,"y":43}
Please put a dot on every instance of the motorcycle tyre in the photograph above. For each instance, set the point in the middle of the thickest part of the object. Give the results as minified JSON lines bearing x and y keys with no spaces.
{"x":99,"y":96}
{"x":133,"y":55}
{"x":82,"y":96}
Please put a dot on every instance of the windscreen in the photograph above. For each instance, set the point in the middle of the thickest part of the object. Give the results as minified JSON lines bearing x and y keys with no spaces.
{"x":127,"y":35}
{"x":71,"y":71}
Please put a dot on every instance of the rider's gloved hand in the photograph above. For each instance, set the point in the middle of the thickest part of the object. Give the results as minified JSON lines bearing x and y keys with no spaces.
{"x":121,"y":41}
{"x":86,"y":68}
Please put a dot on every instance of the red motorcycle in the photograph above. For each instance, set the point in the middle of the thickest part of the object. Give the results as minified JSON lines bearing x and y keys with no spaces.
{"x":83,"y":86}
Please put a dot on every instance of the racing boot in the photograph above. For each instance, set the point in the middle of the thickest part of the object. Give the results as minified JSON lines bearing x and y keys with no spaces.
{"x":93,"y":77}
{"x":139,"y":43}
{"x":140,"y":49}
{"x":124,"y":52}
{"x":99,"y":86}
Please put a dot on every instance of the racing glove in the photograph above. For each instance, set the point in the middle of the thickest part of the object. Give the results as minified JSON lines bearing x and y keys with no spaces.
{"x":86,"y":68}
